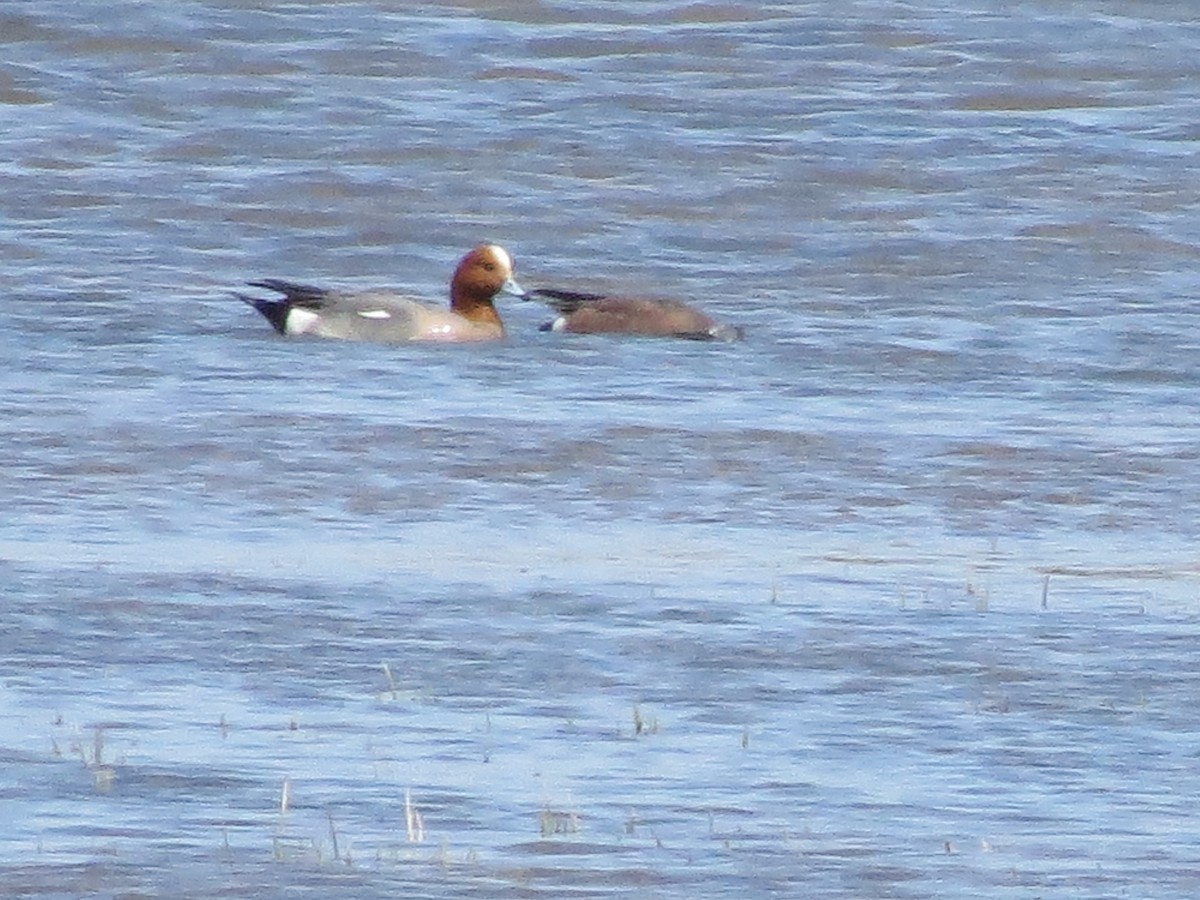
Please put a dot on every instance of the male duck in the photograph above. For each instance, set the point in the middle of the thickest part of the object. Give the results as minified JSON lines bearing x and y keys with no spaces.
{"x":382,"y":315}
{"x":594,"y":313}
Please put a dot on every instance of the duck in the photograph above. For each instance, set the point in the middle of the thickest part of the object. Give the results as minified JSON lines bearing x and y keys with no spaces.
{"x":586,"y":313}
{"x":388,"y":316}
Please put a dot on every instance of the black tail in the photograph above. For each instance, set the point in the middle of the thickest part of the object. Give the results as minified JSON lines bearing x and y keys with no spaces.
{"x":295,"y":293}
{"x":274,"y":311}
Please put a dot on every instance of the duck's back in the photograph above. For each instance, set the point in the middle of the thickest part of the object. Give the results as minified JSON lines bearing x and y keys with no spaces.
{"x":385,"y":316}
{"x":585,"y":313}
{"x":635,"y":315}
{"x":369,"y":316}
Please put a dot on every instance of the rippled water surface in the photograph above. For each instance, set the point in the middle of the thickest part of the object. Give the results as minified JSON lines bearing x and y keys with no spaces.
{"x":896,"y":598}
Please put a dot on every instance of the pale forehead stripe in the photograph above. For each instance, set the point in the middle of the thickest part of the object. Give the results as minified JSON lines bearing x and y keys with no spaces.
{"x":501,"y":255}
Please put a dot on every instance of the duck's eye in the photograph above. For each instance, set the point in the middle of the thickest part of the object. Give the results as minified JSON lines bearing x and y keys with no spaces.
{"x":489,"y":267}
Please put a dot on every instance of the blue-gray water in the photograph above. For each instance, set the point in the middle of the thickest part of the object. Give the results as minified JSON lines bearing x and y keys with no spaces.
{"x":897,"y":598}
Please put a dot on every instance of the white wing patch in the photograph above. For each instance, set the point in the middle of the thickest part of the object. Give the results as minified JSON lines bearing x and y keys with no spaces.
{"x":375,"y":314}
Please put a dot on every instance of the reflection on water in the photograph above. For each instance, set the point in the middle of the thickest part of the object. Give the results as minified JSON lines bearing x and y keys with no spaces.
{"x":894,"y":599}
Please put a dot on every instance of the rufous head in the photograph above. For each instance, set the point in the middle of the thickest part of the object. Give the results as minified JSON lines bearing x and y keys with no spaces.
{"x":482,"y":274}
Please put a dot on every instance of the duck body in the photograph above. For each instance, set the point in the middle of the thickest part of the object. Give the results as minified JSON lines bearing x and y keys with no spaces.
{"x":586,"y":313}
{"x":379,"y":315}
{"x":393,"y":317}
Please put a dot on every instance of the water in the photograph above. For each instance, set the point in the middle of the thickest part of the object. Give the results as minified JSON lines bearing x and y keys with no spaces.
{"x":895,"y":599}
